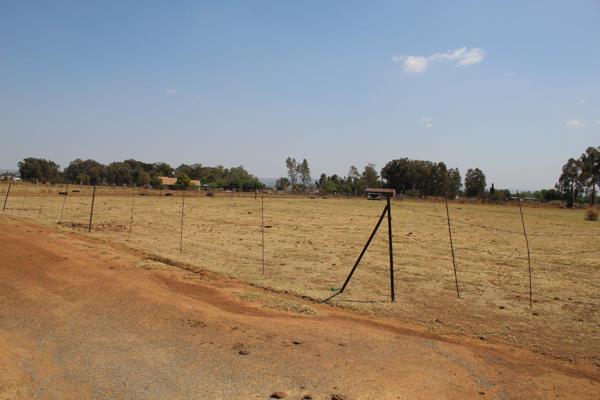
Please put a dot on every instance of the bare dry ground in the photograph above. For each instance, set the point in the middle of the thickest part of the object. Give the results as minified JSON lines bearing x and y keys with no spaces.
{"x":84,"y":318}
{"x":311,"y":244}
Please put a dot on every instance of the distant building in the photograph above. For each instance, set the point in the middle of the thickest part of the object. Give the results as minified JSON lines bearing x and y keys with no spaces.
{"x":9,"y":178}
{"x":524,"y":199}
{"x":168,"y":182}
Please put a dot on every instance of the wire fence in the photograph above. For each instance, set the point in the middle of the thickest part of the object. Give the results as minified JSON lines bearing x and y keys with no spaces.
{"x":306,"y":244}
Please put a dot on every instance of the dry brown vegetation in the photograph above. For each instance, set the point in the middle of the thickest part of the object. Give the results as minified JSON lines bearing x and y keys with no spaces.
{"x":591,"y":214}
{"x":311,"y":244}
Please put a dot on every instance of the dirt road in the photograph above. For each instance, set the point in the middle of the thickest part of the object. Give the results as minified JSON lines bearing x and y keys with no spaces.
{"x":81,"y":318}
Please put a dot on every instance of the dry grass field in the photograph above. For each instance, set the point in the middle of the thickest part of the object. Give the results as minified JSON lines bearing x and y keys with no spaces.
{"x":311,"y":244}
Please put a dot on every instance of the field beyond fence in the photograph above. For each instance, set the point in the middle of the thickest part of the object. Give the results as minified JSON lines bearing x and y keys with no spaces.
{"x":311,"y":244}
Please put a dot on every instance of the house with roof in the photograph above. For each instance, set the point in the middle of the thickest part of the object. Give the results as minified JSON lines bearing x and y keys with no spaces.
{"x":170,"y":183}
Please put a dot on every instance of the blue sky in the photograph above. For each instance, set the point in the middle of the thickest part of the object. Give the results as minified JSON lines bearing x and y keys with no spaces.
{"x":511,"y":87}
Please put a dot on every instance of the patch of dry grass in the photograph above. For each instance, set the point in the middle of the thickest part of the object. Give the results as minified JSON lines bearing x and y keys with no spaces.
{"x":311,"y":244}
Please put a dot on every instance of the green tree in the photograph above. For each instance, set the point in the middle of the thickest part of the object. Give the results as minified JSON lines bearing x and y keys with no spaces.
{"x":140,"y":177}
{"x":139,"y":165}
{"x":219,"y":176}
{"x":282,"y":183}
{"x":438,"y":179}
{"x":304,"y":172}
{"x":155,"y":181}
{"x":239,"y":178}
{"x":183,"y":180}
{"x":570,"y":181}
{"x":162,"y":169}
{"x":475,"y":183}
{"x":454,"y":183}
{"x":119,"y":173}
{"x":498,"y":195}
{"x":39,"y":169}
{"x":398,"y":174}
{"x":184,"y":169}
{"x":370,"y":176}
{"x":418,"y":177}
{"x":355,"y":181}
{"x":96,"y":174}
{"x":330,"y":187}
{"x":292,"y":171}
{"x":590,"y":171}
{"x":88,"y":172}
{"x":551,"y":195}
{"x":322,"y":180}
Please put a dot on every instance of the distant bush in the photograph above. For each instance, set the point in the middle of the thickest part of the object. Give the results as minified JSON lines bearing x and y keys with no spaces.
{"x":591,"y":214}
{"x":498,"y":195}
{"x":551,"y":195}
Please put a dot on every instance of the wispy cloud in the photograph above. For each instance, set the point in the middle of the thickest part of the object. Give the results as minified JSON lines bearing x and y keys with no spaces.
{"x":581,"y":101}
{"x":427,"y":122}
{"x":575,"y":124}
{"x":171,"y":92}
{"x":464,"y":56}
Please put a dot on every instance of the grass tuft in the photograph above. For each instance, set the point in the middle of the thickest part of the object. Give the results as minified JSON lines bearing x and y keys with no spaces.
{"x":591,"y":214}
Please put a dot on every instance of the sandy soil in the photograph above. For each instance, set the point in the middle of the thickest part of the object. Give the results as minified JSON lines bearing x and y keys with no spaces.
{"x":84,"y":318}
{"x":311,"y":244}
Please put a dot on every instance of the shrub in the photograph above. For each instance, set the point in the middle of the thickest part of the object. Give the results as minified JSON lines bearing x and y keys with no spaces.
{"x":591,"y":214}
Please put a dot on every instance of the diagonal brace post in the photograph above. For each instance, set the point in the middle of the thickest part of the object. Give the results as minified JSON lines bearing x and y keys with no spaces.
{"x":362,"y":253}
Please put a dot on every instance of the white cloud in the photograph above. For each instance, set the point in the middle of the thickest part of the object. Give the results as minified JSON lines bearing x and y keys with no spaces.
{"x":463,"y":56}
{"x":427,"y":122}
{"x":581,"y":101}
{"x":170,"y":92}
{"x":575,"y":124}
{"x":412,"y":64}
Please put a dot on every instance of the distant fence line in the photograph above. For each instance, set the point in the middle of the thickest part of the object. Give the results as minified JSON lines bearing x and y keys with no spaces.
{"x":150,"y":191}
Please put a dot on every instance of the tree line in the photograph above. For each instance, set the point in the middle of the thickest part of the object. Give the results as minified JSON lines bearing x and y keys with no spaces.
{"x":577,"y":183}
{"x":133,"y":172}
{"x":406,"y":176}
{"x":420,"y":178}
